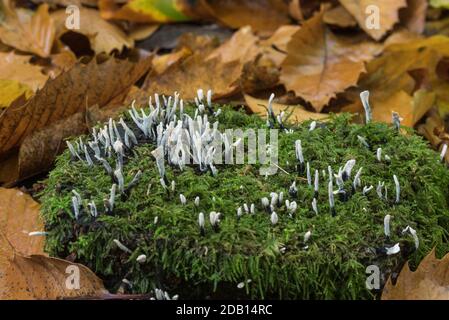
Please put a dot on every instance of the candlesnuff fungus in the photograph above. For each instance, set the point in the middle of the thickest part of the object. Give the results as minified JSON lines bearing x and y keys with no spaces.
{"x":137,"y":159}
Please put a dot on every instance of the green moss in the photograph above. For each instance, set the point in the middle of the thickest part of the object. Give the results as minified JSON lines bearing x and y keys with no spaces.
{"x":182,"y":261}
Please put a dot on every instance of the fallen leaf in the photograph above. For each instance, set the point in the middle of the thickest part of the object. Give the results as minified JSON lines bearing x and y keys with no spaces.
{"x":430,"y":281}
{"x":410,"y":108}
{"x":363,"y":10}
{"x":19,"y":215}
{"x":294,"y":9}
{"x":433,"y":130}
{"x":144,"y":31}
{"x":39,"y":150}
{"x":413,"y":17}
{"x":27,"y":31}
{"x":18,"y":68}
{"x":196,"y":71}
{"x":401,"y":36}
{"x":25,"y":271}
{"x":319,"y":65}
{"x":60,"y":62}
{"x":193,"y":73}
{"x":276,"y":46}
{"x":242,"y":46}
{"x":259,"y":74}
{"x":340,"y":17}
{"x":92,"y":83}
{"x":103,"y":35}
{"x":157,"y":11}
{"x":298,"y":113}
{"x":11,"y":90}
{"x":394,"y":78}
{"x":262,"y":15}
{"x":163,"y":62}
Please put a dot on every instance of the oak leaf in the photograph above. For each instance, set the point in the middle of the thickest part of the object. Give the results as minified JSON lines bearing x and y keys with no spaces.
{"x":430,"y":281}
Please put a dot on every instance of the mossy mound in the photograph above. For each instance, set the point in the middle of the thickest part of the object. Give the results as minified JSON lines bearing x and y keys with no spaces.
{"x":267,"y":260}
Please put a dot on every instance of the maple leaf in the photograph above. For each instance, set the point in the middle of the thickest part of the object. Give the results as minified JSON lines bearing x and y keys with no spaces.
{"x":319,"y":64}
{"x":429,"y":282}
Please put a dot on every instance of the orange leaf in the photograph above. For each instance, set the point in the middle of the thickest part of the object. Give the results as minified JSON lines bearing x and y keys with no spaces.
{"x":30,"y":33}
{"x":25,"y":272}
{"x":298,"y":113}
{"x":17,"y":67}
{"x":261,"y":15}
{"x":364,"y":10}
{"x":429,"y":282}
{"x":69,"y":93}
{"x":319,"y":65}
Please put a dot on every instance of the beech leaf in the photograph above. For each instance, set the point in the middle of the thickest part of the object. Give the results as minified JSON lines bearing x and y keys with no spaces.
{"x":25,"y":271}
{"x":27,"y":31}
{"x":319,"y":65}
{"x":375,"y":17}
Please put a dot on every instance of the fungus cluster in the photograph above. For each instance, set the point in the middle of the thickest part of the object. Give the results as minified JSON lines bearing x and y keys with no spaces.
{"x":147,"y":198}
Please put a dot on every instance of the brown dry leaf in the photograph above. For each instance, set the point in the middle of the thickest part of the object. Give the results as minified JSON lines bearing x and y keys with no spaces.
{"x":276,"y":46}
{"x":401,"y":36}
{"x":319,"y":65}
{"x":263,"y":15}
{"x":387,"y":10}
{"x":198,"y":71}
{"x":19,"y":215}
{"x":298,"y":113}
{"x":433,"y":130}
{"x":193,"y":73}
{"x":72,"y":91}
{"x":413,"y":17}
{"x":410,"y":108}
{"x":242,"y":46}
{"x":259,"y":74}
{"x":162,"y":62}
{"x":404,"y":79}
{"x":430,"y":281}
{"x":39,"y":150}
{"x":340,"y":17}
{"x":25,"y":272}
{"x":18,"y":67}
{"x":27,"y":31}
{"x":60,"y":62}
{"x":103,"y":36}
{"x":294,"y":9}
